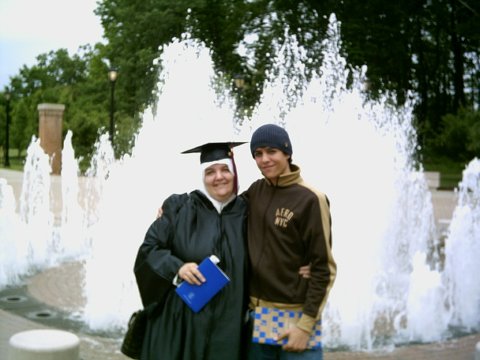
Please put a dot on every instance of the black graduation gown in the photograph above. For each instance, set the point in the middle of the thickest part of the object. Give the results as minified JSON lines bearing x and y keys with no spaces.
{"x":191,"y":229}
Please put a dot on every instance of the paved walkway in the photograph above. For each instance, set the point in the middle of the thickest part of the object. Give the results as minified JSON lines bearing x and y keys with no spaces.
{"x":58,"y":290}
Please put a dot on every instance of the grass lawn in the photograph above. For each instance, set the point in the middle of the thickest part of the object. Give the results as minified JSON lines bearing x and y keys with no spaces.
{"x":15,"y":164}
{"x":450,"y":172}
{"x":16,"y":160}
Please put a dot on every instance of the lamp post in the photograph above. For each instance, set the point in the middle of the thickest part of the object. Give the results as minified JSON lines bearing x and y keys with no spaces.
{"x":7,"y":128}
{"x":239,"y":81}
{"x":112,"y":76}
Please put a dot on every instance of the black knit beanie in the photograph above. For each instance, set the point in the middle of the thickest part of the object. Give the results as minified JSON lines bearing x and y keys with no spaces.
{"x":273,"y":136}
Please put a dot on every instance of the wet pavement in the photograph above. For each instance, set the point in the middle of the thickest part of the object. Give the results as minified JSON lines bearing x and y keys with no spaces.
{"x":51,"y":298}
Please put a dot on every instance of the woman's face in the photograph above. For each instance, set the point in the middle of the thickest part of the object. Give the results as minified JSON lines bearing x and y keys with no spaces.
{"x":218,"y":182}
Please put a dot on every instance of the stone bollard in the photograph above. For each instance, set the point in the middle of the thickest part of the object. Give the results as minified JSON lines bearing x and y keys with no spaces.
{"x":44,"y":344}
{"x":477,"y":351}
{"x":50,"y":132}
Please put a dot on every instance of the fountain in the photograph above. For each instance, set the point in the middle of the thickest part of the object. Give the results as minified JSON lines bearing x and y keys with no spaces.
{"x":13,"y":254}
{"x":393,"y":285}
{"x":462,"y":252}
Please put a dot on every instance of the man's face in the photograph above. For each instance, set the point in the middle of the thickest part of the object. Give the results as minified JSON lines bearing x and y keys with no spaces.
{"x":272,"y":162}
{"x":219,"y":181}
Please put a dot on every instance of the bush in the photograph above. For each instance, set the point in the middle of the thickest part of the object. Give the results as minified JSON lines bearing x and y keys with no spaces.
{"x":459,"y":138}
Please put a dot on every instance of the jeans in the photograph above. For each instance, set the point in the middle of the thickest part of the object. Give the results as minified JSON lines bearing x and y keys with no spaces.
{"x":272,"y":352}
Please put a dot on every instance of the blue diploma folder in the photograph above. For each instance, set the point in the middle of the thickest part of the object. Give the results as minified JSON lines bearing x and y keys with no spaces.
{"x":197,"y":296}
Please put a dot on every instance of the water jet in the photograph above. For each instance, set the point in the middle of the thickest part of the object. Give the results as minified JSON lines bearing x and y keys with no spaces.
{"x":396,"y":284}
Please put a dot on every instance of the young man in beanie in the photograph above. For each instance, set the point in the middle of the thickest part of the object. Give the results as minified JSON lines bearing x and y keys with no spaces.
{"x":289,"y":226}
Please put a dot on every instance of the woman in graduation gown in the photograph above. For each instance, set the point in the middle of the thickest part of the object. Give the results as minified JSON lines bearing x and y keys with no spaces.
{"x":208,"y":221}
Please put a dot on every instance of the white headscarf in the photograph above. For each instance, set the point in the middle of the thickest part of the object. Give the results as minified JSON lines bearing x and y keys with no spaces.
{"x":217,"y":204}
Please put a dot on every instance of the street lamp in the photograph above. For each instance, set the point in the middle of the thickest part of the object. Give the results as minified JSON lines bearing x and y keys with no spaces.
{"x":7,"y":128}
{"x":112,"y":76}
{"x":239,"y":81}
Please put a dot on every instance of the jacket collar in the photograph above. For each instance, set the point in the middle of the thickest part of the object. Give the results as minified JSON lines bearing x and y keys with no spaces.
{"x":288,"y":179}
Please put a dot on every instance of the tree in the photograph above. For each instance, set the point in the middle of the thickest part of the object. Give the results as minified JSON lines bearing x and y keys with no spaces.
{"x":79,"y":82}
{"x":135,"y":31}
{"x":425,"y":47}
{"x":22,"y":127}
{"x":428,"y":47}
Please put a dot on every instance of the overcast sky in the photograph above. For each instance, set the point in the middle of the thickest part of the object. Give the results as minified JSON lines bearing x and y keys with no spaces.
{"x":29,"y":28}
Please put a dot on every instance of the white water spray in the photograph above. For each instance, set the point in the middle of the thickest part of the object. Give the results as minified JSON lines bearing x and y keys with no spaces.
{"x":73,"y":242}
{"x":392,"y":286}
{"x":35,"y":206}
{"x":462,"y":253}
{"x":13,"y":239}
{"x":360,"y":153}
{"x":188,"y":114}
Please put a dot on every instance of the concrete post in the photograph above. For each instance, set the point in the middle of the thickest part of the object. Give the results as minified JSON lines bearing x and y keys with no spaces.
{"x":50,"y":132}
{"x":44,"y":344}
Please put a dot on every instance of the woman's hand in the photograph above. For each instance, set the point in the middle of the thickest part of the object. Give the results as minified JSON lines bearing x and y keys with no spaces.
{"x":304,"y":271}
{"x":159,"y":212}
{"x":189,"y":273}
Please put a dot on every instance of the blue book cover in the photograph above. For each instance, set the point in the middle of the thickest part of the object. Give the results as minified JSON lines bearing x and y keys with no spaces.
{"x":197,"y":296}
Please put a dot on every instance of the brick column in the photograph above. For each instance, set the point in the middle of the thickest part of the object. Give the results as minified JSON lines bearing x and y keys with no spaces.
{"x":50,"y":132}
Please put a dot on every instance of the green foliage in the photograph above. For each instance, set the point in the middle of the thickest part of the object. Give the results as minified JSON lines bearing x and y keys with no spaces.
{"x":450,"y":170}
{"x":135,"y":30}
{"x":80,"y":82}
{"x":2,"y":126}
{"x":460,"y":136}
{"x":428,"y":47}
{"x":84,"y":125}
{"x":23,"y":125}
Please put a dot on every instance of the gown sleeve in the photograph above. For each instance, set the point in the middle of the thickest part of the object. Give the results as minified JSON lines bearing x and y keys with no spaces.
{"x":155,"y":266}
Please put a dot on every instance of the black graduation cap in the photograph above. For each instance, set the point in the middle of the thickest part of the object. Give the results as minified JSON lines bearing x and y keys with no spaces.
{"x":214,"y":151}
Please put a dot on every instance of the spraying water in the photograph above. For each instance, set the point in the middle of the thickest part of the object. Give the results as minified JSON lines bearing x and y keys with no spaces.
{"x":360,"y":153}
{"x":35,"y":206}
{"x":73,"y":243}
{"x":13,"y":240}
{"x":392,"y":286}
{"x":188,"y":114}
{"x":462,"y":251}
